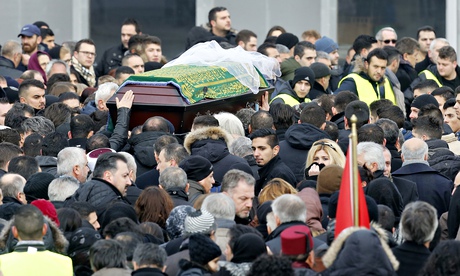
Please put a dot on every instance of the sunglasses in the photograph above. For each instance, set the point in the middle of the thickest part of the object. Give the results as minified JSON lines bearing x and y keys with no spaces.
{"x":324,"y":144}
{"x":387,"y":41}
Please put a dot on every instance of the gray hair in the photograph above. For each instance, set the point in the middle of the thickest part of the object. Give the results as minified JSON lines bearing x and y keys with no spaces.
{"x":436,"y":40}
{"x":56,"y":61}
{"x":147,"y":254}
{"x":390,"y":130}
{"x":105,"y":91}
{"x":131,"y":161}
{"x":271,"y":221}
{"x":12,"y":184}
{"x":419,"y":222}
{"x":379,"y":35}
{"x":10,"y":48}
{"x":68,"y":158}
{"x":230,"y":123}
{"x":282,"y":49}
{"x":173,"y":177}
{"x":411,"y":153}
{"x":38,"y":124}
{"x":289,"y":208}
{"x":233,"y":177}
{"x":242,"y":146}
{"x":372,"y":153}
{"x":62,"y":187}
{"x":220,"y":206}
{"x":322,"y":55}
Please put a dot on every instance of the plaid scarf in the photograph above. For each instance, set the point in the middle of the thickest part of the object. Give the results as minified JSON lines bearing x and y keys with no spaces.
{"x":88,"y":74}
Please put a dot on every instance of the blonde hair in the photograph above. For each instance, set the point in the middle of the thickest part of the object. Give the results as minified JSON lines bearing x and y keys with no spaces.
{"x":275,"y":188}
{"x":331,"y":148}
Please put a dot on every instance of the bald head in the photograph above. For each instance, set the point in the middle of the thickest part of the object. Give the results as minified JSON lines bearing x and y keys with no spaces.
{"x":414,"y":149}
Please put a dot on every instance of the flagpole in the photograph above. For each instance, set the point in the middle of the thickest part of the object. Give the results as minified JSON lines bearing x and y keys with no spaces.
{"x":356,"y":187}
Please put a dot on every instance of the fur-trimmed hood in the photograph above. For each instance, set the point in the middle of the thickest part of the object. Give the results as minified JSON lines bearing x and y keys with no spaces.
{"x":207,"y":133}
{"x":54,"y":239}
{"x":358,"y":250}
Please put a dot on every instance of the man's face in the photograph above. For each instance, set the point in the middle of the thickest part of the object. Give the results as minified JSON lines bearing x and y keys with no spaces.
{"x":83,"y":170}
{"x":388,"y":38}
{"x":30,"y":43}
{"x":302,"y":88}
{"x":413,"y":58}
{"x":207,"y":183}
{"x":263,"y":153}
{"x":362,"y":162}
{"x":49,"y":41}
{"x":376,"y":68}
{"x":153,"y":52}
{"x":446,"y":68}
{"x":72,"y":103}
{"x":57,"y":68}
{"x":387,"y":156}
{"x":334,"y":57}
{"x":120,"y":178}
{"x":92,"y":218}
{"x":273,"y":52}
{"x":162,"y":163}
{"x":425,"y":38}
{"x":86,"y":55}
{"x":251,"y":45}
{"x":222,"y":22}
{"x":413,"y":113}
{"x":4,"y":107}
{"x":457,"y":105}
{"x":35,"y":97}
{"x":127,"y":31}
{"x":242,"y":195}
{"x":450,"y":118}
{"x":308,"y":57}
{"x":137,"y":64}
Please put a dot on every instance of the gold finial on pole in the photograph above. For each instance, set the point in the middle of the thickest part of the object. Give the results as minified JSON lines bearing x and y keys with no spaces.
{"x":356,"y":185}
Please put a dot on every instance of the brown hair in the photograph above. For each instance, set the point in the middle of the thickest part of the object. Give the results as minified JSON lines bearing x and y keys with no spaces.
{"x":154,"y":205}
{"x":275,"y":188}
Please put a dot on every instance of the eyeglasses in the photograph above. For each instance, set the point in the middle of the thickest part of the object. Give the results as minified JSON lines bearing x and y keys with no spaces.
{"x":388,"y":41}
{"x":324,"y":144}
{"x":88,"y":53}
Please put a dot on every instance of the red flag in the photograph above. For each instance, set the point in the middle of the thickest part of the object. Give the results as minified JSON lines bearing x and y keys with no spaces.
{"x":345,"y":206}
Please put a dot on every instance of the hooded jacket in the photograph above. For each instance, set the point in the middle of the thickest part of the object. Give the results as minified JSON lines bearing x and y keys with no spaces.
{"x":359,"y":251}
{"x":275,"y":168}
{"x":285,"y":87}
{"x":294,"y":149}
{"x":212,"y":143}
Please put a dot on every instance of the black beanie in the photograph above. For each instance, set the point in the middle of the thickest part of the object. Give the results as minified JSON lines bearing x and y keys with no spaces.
{"x":424,"y":100}
{"x":320,"y":70}
{"x":202,"y":249}
{"x":303,"y":73}
{"x":196,"y":167}
{"x":287,"y":39}
{"x":37,"y":186}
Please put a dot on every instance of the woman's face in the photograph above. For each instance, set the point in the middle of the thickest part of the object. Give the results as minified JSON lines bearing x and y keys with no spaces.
{"x":43,"y":60}
{"x":321,"y":157}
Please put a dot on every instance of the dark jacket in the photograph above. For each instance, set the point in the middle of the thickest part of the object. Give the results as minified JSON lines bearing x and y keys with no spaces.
{"x":7,"y":68}
{"x":147,"y":271}
{"x":406,"y":74}
{"x":324,"y":198}
{"x":422,"y":65}
{"x":407,"y":189}
{"x":453,"y":219}
{"x":317,"y":91}
{"x":111,"y":59}
{"x":275,"y":168}
{"x":294,"y":149}
{"x":447,"y":163}
{"x":178,"y":196}
{"x":120,"y":132}
{"x":141,"y":147}
{"x":98,"y":193}
{"x":411,"y":256}
{"x":81,"y":78}
{"x":147,"y":179}
{"x":194,"y":191}
{"x":252,"y":163}
{"x":432,"y":186}
{"x":9,"y":207}
{"x":212,"y":144}
{"x":48,"y":164}
{"x":396,"y":160}
{"x":339,"y":120}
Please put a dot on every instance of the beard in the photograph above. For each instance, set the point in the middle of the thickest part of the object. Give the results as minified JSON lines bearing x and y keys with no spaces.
{"x":29,"y":48}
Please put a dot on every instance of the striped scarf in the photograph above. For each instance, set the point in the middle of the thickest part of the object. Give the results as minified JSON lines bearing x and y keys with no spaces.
{"x":88,"y":74}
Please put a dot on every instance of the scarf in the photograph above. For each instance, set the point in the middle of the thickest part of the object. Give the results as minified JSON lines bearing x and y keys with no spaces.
{"x":88,"y":74}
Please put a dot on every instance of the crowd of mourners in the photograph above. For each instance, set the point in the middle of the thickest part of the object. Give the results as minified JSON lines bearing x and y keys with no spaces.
{"x":251,"y":193}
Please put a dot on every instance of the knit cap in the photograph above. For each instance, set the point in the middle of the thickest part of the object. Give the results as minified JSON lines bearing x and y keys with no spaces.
{"x":47,"y":209}
{"x":329,"y":179}
{"x":326,"y":44}
{"x":303,"y":73}
{"x":320,"y":70}
{"x":202,"y":249}
{"x":196,"y":167}
{"x":176,"y":220}
{"x":37,"y":186}
{"x":200,"y":221}
{"x":287,"y":39}
{"x":424,"y":100}
{"x":81,"y":240}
